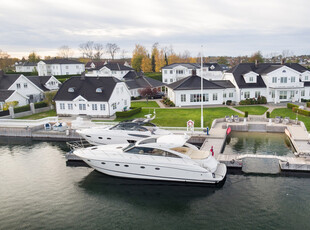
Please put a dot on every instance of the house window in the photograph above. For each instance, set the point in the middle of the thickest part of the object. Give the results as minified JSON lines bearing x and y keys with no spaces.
{"x":166,"y":80}
{"x":283,"y":95}
{"x":25,"y":85}
{"x":272,"y":94}
{"x":171,"y":80}
{"x":231,"y":94}
{"x":246,"y":94}
{"x":195,"y":98}
{"x":257,"y":94}
{"x":251,"y":79}
{"x":82,"y":106}
{"x":67,"y":67}
{"x":18,"y":86}
{"x":283,"y":80}
{"x":125,"y":102}
{"x":102,"y":106}
{"x":215,"y":97}
{"x":165,"y":71}
{"x":171,"y":71}
{"x":205,"y":97}
{"x":113,"y":72}
{"x":70,"y":106}
{"x":62,"y":106}
{"x":224,"y":95}
{"x":113,"y":106}
{"x":178,"y":71}
{"x":94,"y":106}
{"x":306,"y":78}
{"x":183,"y":97}
{"x":303,"y":93}
{"x":292,"y":79}
{"x":274,"y":79}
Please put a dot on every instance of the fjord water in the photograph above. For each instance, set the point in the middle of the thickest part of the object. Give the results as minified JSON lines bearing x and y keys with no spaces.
{"x":38,"y":191}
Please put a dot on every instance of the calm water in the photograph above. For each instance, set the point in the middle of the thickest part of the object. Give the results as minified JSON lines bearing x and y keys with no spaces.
{"x":258,"y":143}
{"x":38,"y":191}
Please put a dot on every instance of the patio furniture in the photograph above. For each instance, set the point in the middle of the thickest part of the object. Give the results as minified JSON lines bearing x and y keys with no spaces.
{"x":286,"y":120}
{"x":277,"y":120}
{"x":236,"y":118}
{"x":228,"y":119}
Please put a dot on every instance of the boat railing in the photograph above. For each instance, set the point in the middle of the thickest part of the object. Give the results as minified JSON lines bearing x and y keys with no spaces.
{"x":73,"y":145}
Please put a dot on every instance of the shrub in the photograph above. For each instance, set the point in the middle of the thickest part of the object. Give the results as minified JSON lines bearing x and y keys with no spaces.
{"x":308,"y":104}
{"x":268,"y":114}
{"x":303,"y":112}
{"x":128,"y":113}
{"x":290,"y":105}
{"x":253,"y":101}
{"x":22,"y":109}
{"x":40,"y":104}
{"x":228,"y":102}
{"x":246,"y":114}
{"x":294,"y":109}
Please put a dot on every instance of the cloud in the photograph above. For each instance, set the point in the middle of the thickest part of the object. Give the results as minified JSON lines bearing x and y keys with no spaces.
{"x":226,"y":27}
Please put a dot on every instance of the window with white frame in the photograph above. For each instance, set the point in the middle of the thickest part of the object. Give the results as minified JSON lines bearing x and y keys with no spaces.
{"x":247,"y":94}
{"x":283,"y":95}
{"x":272,"y":94}
{"x":179,"y":71}
{"x":67,"y":67}
{"x":94,"y":106}
{"x":251,"y":79}
{"x":183,"y":97}
{"x":283,"y":80}
{"x":257,"y":94}
{"x":306,"y":78}
{"x":171,"y":71}
{"x":292,"y":79}
{"x":62,"y":106}
{"x":274,"y":79}
{"x":215,"y":97}
{"x":18,"y":85}
{"x":231,"y":94}
{"x":82,"y":106}
{"x":197,"y":97}
{"x":303,"y":93}
{"x":70,"y":106}
{"x":171,"y":80}
{"x":224,"y":95}
{"x":113,"y":106}
{"x":25,"y":85}
{"x":102,"y":106}
{"x":166,"y":80}
{"x":165,"y":71}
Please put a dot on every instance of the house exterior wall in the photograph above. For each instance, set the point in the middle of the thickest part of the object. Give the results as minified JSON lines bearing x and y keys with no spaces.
{"x":52,"y":84}
{"x":17,"y":97}
{"x":105,"y":72}
{"x":59,"y":69}
{"x":27,"y":69}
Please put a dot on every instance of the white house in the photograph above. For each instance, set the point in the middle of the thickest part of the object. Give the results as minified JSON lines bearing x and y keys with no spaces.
{"x":25,"y":67}
{"x":110,"y":69}
{"x":275,"y":81}
{"x":177,"y":71}
{"x":92,"y":96}
{"x":187,"y":91}
{"x":60,"y":67}
{"x":10,"y":96}
{"x":31,"y":88}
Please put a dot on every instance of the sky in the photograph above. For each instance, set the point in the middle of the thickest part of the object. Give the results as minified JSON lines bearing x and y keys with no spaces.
{"x":215,"y":27}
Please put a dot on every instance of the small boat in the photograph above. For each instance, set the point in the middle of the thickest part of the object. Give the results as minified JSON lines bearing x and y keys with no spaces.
{"x":124,"y":132}
{"x":164,"y":158}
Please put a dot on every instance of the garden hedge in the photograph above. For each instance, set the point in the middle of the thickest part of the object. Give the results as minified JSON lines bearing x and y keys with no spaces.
{"x":21,"y":109}
{"x":290,"y":105}
{"x":128,"y":113}
{"x":40,"y":104}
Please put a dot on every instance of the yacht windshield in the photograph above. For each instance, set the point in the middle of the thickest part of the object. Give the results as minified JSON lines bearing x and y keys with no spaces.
{"x":150,"y":151}
{"x":129,"y":126}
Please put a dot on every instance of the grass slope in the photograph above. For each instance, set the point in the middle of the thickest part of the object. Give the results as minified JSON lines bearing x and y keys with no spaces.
{"x":50,"y":113}
{"x":144,"y":104}
{"x":253,"y":110}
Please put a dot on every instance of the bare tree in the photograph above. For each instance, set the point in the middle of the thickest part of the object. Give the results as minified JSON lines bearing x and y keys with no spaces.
{"x":112,"y":49}
{"x":65,"y":51}
{"x":99,"y":50}
{"x":87,"y":49}
{"x":287,"y":53}
{"x":123,"y":54}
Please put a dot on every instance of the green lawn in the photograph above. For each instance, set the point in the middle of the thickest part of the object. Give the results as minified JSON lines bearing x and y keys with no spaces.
{"x":144,"y":104}
{"x":285,"y":112}
{"x":253,"y":110}
{"x":179,"y":117}
{"x":156,"y":76}
{"x":50,"y":113}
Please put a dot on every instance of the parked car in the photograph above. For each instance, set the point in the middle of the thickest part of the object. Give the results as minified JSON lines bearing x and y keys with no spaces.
{"x":158,"y":95}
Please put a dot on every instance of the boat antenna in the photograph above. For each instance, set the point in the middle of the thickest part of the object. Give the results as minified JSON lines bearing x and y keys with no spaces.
{"x":201,"y":96}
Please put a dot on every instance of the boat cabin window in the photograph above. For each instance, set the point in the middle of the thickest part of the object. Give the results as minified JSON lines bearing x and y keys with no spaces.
{"x":129,"y":126}
{"x":150,"y":151}
{"x":148,"y":141}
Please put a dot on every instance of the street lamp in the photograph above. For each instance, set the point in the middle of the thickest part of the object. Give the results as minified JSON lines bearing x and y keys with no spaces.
{"x":201,"y":91}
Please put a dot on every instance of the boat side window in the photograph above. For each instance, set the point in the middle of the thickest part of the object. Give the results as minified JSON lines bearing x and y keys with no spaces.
{"x":148,"y":141}
{"x":150,"y":151}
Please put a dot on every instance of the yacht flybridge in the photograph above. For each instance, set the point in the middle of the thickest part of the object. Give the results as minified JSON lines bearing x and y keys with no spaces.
{"x":124,"y":132}
{"x":165,"y":158}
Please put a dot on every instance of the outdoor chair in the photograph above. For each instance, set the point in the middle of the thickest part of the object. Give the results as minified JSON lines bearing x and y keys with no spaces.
{"x":286,"y":120}
{"x":278,"y":120}
{"x":228,"y":119}
{"x":236,"y":118}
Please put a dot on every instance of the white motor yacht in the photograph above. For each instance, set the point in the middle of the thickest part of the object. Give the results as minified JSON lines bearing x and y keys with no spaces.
{"x":124,"y":132}
{"x":165,"y":158}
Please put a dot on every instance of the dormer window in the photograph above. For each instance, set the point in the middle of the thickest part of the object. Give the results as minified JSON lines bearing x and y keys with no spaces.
{"x":284,"y":71}
{"x":99,"y":90}
{"x":212,"y":67}
{"x":251,"y":79}
{"x":71,"y":90}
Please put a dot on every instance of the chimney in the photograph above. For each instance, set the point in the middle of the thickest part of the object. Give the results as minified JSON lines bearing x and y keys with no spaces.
{"x":83,"y":76}
{"x":282,"y":61}
{"x":256,"y":63}
{"x":193,"y":72}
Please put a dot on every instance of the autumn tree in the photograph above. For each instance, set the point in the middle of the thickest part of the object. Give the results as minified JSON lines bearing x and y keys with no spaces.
{"x":160,"y":60}
{"x":112,"y":49}
{"x":153,"y":56}
{"x":4,"y":60}
{"x":98,"y":51}
{"x":65,"y":52}
{"x":33,"y":57}
{"x":139,"y":53}
{"x":257,"y":56}
{"x":146,"y":64}
{"x":222,"y":60}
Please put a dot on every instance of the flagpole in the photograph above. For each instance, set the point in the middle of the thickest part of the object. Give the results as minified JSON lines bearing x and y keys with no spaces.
{"x":201,"y":97}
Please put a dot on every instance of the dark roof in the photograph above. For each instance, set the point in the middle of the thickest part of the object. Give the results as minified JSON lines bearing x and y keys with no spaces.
{"x":117,"y":66}
{"x":86,"y":87}
{"x":217,"y":67}
{"x":61,"y":61}
{"x":6,"y":80}
{"x":5,"y":94}
{"x":39,"y":81}
{"x":223,"y":83}
{"x":26,"y":64}
{"x":136,"y":80}
{"x":96,"y":63}
{"x":193,"y":83}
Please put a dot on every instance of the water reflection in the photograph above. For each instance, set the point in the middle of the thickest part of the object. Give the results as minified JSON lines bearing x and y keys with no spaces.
{"x":153,"y":194}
